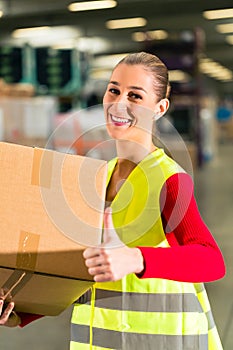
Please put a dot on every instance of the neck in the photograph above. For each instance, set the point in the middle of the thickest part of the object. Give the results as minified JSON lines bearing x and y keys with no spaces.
{"x":133,"y":151}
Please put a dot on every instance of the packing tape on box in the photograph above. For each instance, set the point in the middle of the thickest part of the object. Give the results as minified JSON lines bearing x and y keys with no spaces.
{"x":27,"y":250}
{"x":15,"y":282}
{"x":42,"y":167}
{"x":25,"y":265}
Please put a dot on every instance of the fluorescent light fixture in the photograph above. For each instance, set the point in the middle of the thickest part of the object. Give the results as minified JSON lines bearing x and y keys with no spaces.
{"x":85,"y":44}
{"x":150,"y":35}
{"x":157,"y":34}
{"x":46,"y":36}
{"x":92,"y":44}
{"x":229,"y":39}
{"x":215,"y":70}
{"x":225,"y":28}
{"x":28,"y":32}
{"x":223,"y":76}
{"x":92,"y":5}
{"x":216,"y":14}
{"x":178,"y":75}
{"x":139,"y":36}
{"x":126,"y":23}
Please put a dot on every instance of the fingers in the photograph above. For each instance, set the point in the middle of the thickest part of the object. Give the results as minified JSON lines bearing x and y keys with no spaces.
{"x":101,"y":273}
{"x":6,"y":313}
{"x":96,"y":256}
{"x":91,"y":253}
{"x":104,"y":277}
{"x":96,"y":260}
{"x":98,"y":263}
{"x":93,"y":259}
{"x":97,"y":271}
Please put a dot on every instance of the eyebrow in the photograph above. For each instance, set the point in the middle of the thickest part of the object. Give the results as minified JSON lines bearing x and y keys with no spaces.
{"x":131,"y":87}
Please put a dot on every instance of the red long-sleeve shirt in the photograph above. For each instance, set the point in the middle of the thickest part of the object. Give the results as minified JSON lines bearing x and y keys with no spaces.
{"x":194,"y":255}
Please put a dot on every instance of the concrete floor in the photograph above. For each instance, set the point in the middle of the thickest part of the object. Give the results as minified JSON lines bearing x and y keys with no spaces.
{"x":214,"y":193}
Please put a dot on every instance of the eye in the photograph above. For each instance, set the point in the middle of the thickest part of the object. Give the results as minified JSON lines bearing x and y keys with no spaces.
{"x":134,"y":96}
{"x":114,"y":91}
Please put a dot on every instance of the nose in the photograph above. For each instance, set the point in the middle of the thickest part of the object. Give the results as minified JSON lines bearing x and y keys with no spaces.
{"x":121,"y":107}
{"x":121,"y":104}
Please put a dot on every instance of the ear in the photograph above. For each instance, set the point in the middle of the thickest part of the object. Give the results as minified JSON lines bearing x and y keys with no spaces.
{"x":161,"y":107}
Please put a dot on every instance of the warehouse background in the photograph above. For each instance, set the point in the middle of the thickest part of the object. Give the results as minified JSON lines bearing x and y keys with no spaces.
{"x":54,"y":66}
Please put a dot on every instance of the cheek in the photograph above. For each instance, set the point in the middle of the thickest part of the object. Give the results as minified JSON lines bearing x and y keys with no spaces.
{"x":143,"y":112}
{"x":106,"y":104}
{"x":107,"y":98}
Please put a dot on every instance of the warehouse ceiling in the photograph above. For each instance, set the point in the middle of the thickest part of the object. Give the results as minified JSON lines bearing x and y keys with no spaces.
{"x":173,"y":16}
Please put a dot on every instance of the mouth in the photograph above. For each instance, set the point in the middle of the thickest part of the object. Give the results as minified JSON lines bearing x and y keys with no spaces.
{"x":119,"y":121}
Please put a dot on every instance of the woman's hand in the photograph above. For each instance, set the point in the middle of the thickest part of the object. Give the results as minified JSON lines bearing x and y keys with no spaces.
{"x":8,"y":317}
{"x":112,"y":260}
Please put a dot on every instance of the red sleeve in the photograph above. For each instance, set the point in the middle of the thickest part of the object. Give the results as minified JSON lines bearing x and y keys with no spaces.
{"x":193,"y":255}
{"x":27,"y":318}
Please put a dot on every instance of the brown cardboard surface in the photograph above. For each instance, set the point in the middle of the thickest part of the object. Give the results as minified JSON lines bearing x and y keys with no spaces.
{"x":51,"y":208}
{"x":44,"y":294}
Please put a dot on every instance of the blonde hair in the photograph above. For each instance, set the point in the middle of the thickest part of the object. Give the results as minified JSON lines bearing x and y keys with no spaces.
{"x":156,"y":67}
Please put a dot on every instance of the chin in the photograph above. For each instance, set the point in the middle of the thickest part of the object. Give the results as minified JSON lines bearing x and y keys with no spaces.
{"x":116,"y":135}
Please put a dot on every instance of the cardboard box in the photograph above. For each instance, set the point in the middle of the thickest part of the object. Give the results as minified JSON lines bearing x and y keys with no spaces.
{"x":51,"y":208}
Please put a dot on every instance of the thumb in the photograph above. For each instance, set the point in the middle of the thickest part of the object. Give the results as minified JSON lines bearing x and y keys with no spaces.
{"x":108,"y":224}
{"x":110,"y":236}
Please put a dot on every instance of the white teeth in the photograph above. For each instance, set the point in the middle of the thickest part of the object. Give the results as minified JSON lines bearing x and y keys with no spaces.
{"x":120,"y":120}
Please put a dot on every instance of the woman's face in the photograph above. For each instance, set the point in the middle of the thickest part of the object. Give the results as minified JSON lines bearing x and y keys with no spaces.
{"x":130,"y":103}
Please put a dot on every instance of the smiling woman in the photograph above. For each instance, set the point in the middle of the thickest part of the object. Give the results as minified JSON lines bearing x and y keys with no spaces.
{"x":154,"y":238}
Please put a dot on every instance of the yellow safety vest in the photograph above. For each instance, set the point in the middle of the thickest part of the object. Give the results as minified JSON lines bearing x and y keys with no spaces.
{"x":153,"y":313}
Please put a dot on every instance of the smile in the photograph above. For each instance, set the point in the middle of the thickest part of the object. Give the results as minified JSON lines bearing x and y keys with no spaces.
{"x":120,"y":120}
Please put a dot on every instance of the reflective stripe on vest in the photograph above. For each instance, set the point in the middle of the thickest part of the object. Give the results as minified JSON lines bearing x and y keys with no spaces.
{"x":105,"y":339}
{"x":148,"y":313}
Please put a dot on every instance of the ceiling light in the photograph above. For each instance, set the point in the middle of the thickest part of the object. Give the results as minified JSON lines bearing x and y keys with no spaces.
{"x":210,"y":67}
{"x":221,"y":76}
{"x":92,"y":5}
{"x":225,"y":28}
{"x":215,"y":70}
{"x":150,"y":35}
{"x":178,"y":75}
{"x":222,"y":73}
{"x":26,"y":32}
{"x":92,"y":44}
{"x":229,"y":39}
{"x":139,"y":36}
{"x":157,"y":34}
{"x":46,"y":36}
{"x":126,"y":23}
{"x":216,"y":14}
